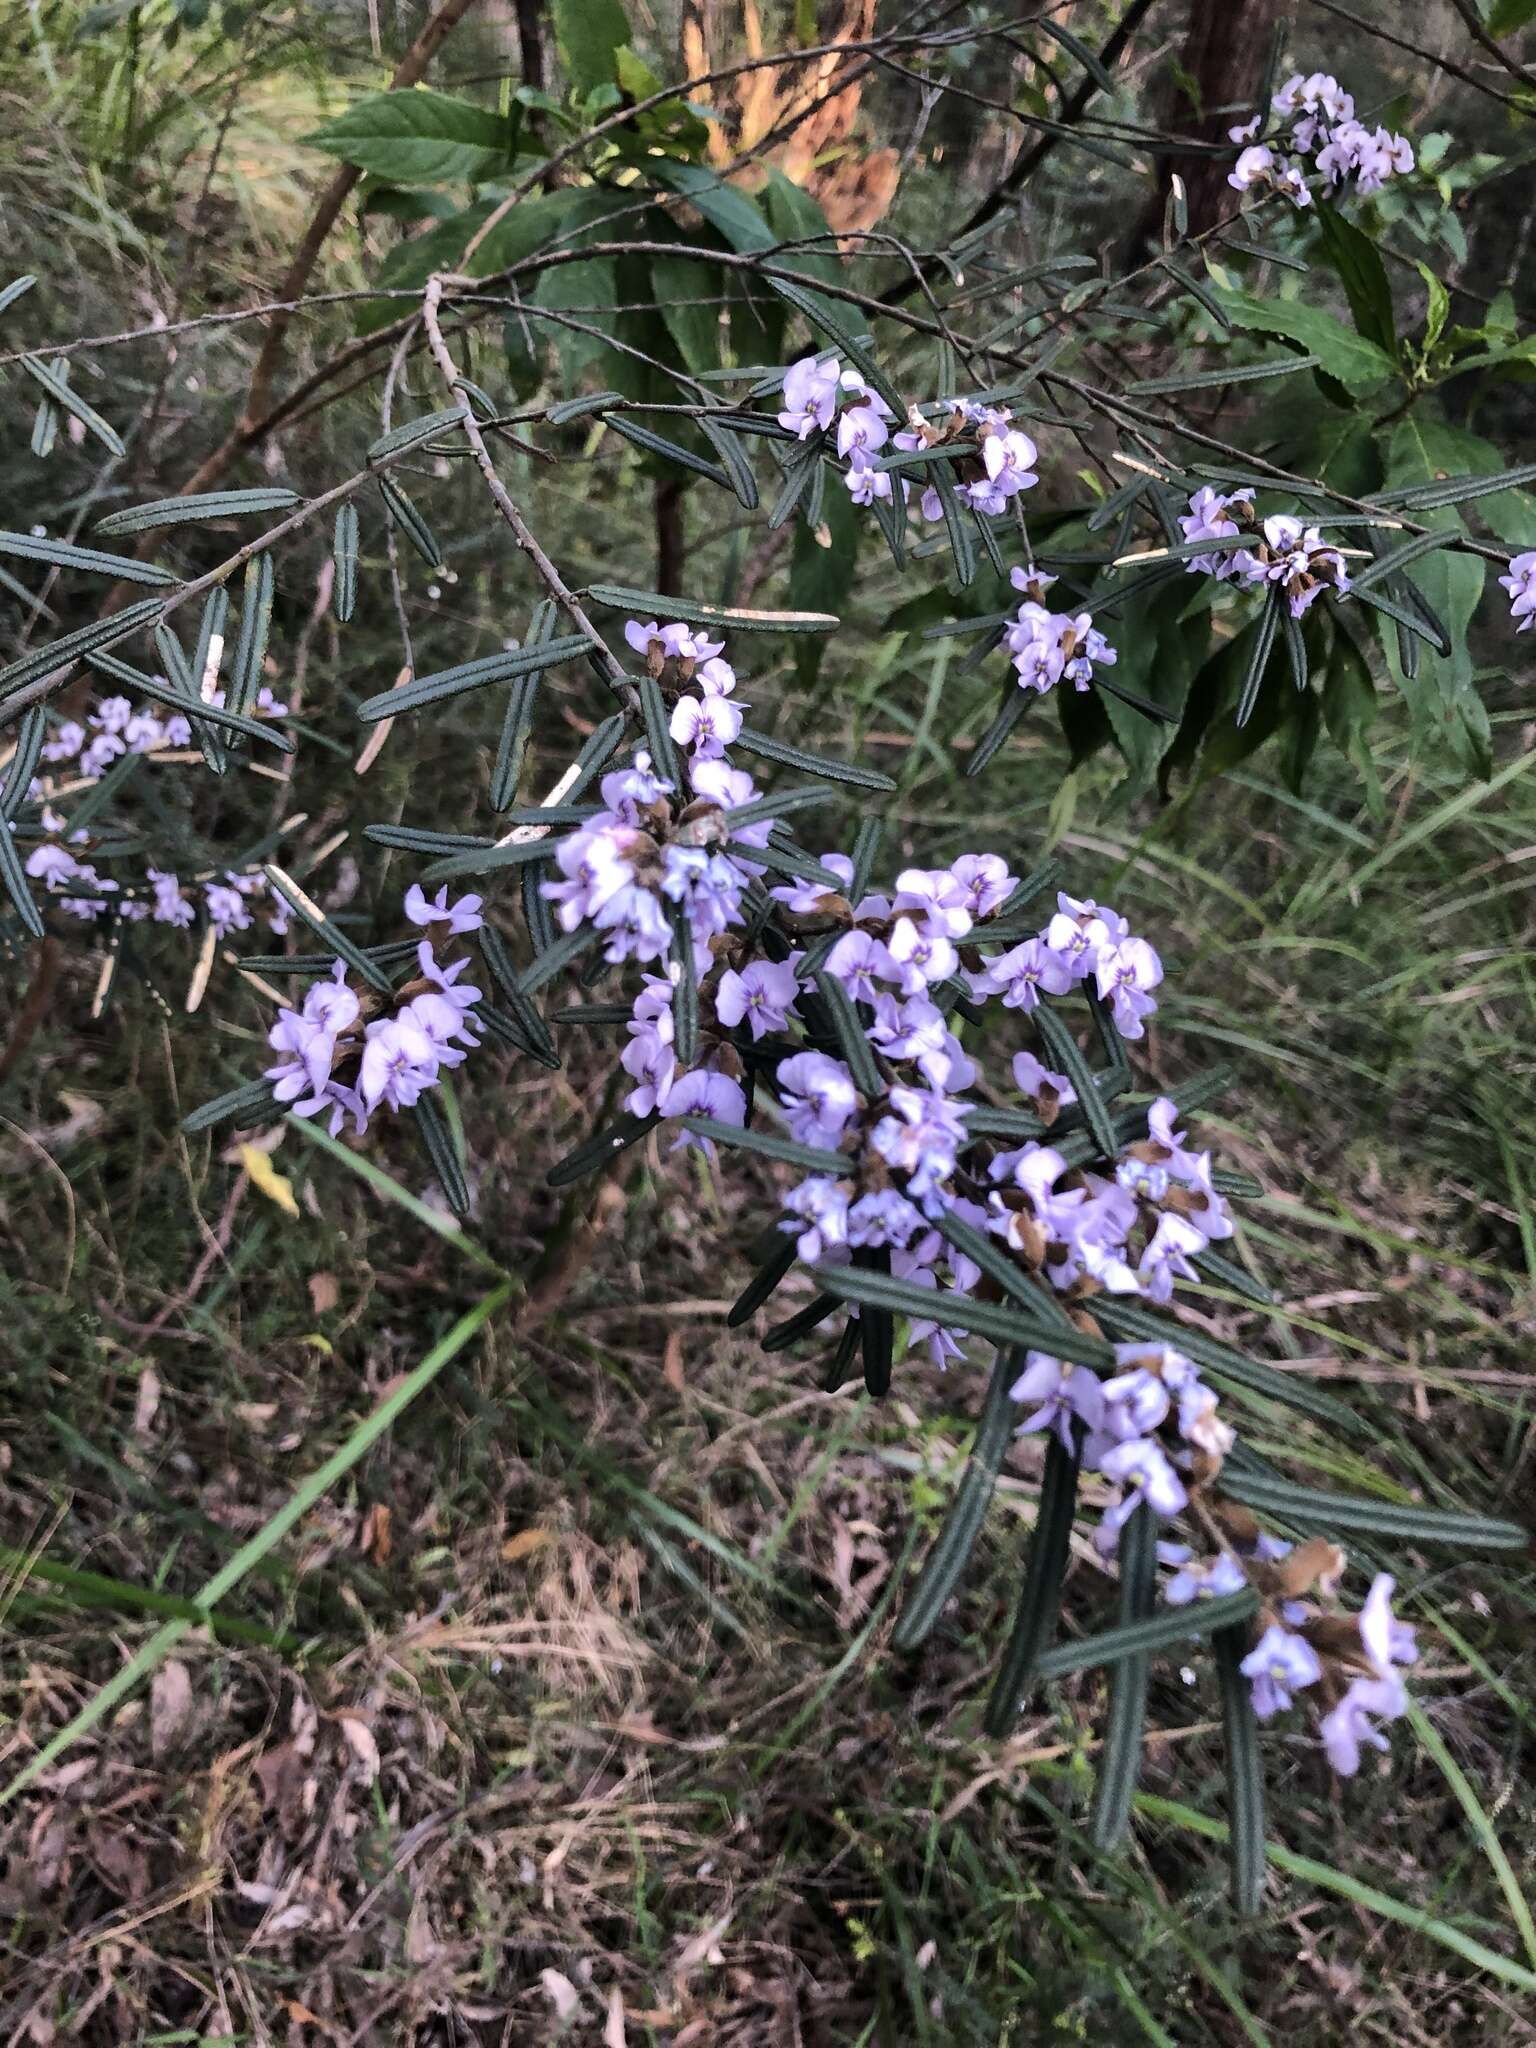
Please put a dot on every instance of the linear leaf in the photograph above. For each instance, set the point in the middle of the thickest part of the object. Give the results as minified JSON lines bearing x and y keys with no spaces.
{"x":670,"y":451}
{"x":198,"y":508}
{"x":30,"y":736}
{"x":1207,"y":380}
{"x":344,"y":554}
{"x":61,"y":555}
{"x":63,"y":654}
{"x":403,"y":513}
{"x":961,"y":1312}
{"x":470,"y":675}
{"x":255,"y":627}
{"x":1332,"y":1511}
{"x":161,"y":691}
{"x":517,"y":720}
{"x":725,"y":618}
{"x":67,"y":398}
{"x":1067,"y":1057}
{"x":10,"y":293}
{"x":850,"y":772}
{"x":769,"y":1144}
{"x":336,"y":941}
{"x":821,"y":316}
{"x":414,"y":432}
{"x":438,"y":1140}
{"x":1132,"y":1321}
{"x":962,"y":1525}
{"x":597,"y":1150}
{"x":852,"y":1041}
{"x":1120,"y":1757}
{"x":1040,"y":1595}
{"x":763,"y":1283}
{"x":13,"y":878}
{"x":249,"y":1104}
{"x":1168,"y":1629}
{"x":1245,"y":1774}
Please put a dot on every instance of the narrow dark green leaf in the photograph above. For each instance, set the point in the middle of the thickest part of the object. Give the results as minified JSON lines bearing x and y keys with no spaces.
{"x":1258,"y":659}
{"x":783,"y":803}
{"x":255,"y":627}
{"x":414,"y":432}
{"x":763,"y":1283}
{"x":344,"y":554}
{"x":1003,"y":1325}
{"x":68,"y":399}
{"x":1220,"y":1272}
{"x":208,"y":657}
{"x":517,"y":721}
{"x":1076,"y":47}
{"x":13,"y":878}
{"x":525,"y":1012}
{"x":850,"y":772}
{"x":1295,"y":648}
{"x":1040,"y":1595}
{"x":852,"y":1043}
{"x":596,"y":1151}
{"x":658,"y":735}
{"x":962,"y":1525}
{"x":247,"y":1105}
{"x":1065,"y":1056}
{"x":199,"y":509}
{"x":403,"y":514}
{"x":769,"y":1144}
{"x":685,"y":989}
{"x":1263,"y":255}
{"x":30,"y":736}
{"x":787,"y":860}
{"x":1197,"y":291}
{"x":1457,"y":490}
{"x":724,"y":618}
{"x":955,"y":525}
{"x":412,"y":839}
{"x":161,"y":691}
{"x":1331,"y":1512}
{"x":799,"y":475}
{"x":60,"y":555}
{"x":866,"y":849}
{"x":801,"y":1324}
{"x":471,"y":675}
{"x":988,"y":1253}
{"x":1401,"y":555}
{"x":178,"y":670}
{"x":819,"y":313}
{"x":1378,"y":600}
{"x":438,"y":1139}
{"x":1211,"y":380}
{"x":555,"y":957}
{"x":491,"y":858}
{"x":63,"y":654}
{"x":10,"y":293}
{"x":733,"y":460}
{"x":671,"y":451}
{"x":582,"y":408}
{"x":1120,"y":1756}
{"x":1015,"y":703}
{"x":337,"y":941}
{"x":1245,"y":1772}
{"x":537,"y":914}
{"x":1170,"y":1628}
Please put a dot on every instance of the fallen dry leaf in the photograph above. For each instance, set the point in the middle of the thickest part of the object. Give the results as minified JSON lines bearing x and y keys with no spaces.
{"x":277,"y":1187}
{"x":563,"y":1994}
{"x":170,"y":1707}
{"x":359,"y":1739}
{"x":324,"y":1293}
{"x":525,"y":1543}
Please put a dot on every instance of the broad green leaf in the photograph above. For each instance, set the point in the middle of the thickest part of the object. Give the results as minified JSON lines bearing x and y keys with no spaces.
{"x":590,"y":34}
{"x":731,"y":213}
{"x":1358,"y":364}
{"x":689,"y":294}
{"x":1363,"y":275}
{"x":418,"y":137}
{"x":822,"y":564}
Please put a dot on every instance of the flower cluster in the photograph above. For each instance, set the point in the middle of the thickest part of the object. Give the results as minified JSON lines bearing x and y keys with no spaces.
{"x":1051,"y":647}
{"x":349,"y":1052}
{"x":995,"y":459}
{"x":1317,"y":119}
{"x":1289,"y":554}
{"x":74,"y":758}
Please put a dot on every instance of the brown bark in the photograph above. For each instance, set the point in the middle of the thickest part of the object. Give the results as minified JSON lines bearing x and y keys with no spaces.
{"x":1216,"y":85}
{"x":671,"y":540}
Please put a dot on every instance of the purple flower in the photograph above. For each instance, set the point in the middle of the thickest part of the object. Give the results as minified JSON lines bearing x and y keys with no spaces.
{"x":1353,"y":1721}
{"x":628,"y":791}
{"x":1279,"y":1665}
{"x":1210,"y":517}
{"x":762,"y":994}
{"x":922,"y":955}
{"x":821,"y":1205}
{"x":1030,"y":1078}
{"x":916,"y":1030}
{"x":810,"y":395}
{"x":172,"y":904}
{"x":225,"y":904}
{"x":1386,"y":1641}
{"x":936,"y":897}
{"x":596,"y":865}
{"x":1023,"y":974}
{"x":862,"y":429}
{"x":983,"y":882}
{"x":708,"y":724}
{"x":463,"y":916}
{"x":1135,"y":1404}
{"x":921,"y":1138}
{"x":399,"y":1063}
{"x":883,"y":1218}
{"x":1207,"y":1579}
{"x":1063,"y":1396}
{"x":1296,"y":557}
{"x":1145,"y":1473}
{"x":649,"y":1059}
{"x":1009,"y":456}
{"x":867,"y":485}
{"x":1520,"y":582}
{"x":1126,"y":973}
{"x":818,"y":1096}
{"x":66,"y":742}
{"x":112,"y":714}
{"x":708,"y":886}
{"x":860,"y":963}
{"x":705,"y":1093}
{"x":53,"y":865}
